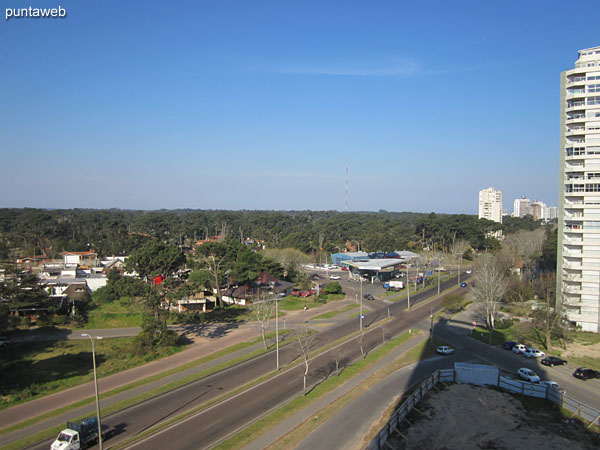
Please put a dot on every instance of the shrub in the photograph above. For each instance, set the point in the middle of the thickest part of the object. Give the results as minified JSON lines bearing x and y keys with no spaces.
{"x":333,"y":288}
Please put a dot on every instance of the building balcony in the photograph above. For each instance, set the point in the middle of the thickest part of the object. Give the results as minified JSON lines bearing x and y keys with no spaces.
{"x":575,"y":105}
{"x":575,"y":118}
{"x":576,"y":80}
{"x":577,"y":93}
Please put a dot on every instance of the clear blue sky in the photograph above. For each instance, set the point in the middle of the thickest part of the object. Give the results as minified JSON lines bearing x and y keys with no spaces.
{"x":258,"y":104}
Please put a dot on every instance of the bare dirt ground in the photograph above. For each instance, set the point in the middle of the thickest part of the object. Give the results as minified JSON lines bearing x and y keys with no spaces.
{"x":466,"y":417}
{"x":576,"y":349}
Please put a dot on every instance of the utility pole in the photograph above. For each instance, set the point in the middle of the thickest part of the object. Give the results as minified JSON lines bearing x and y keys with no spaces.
{"x":459,"y":264}
{"x":361,"y":309}
{"x":439,"y":272}
{"x":96,"y":386}
{"x":408,"y":288}
{"x":277,"y":328}
{"x":431,"y":327}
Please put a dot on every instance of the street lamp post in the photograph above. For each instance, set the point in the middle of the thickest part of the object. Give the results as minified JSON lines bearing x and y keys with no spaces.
{"x":407,"y":288}
{"x":431,"y":327}
{"x":96,"y":387}
{"x":361,"y":299}
{"x":277,"y":328}
{"x":439,"y":272}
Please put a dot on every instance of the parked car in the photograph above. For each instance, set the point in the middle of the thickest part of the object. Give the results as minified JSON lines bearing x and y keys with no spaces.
{"x":553,"y":361}
{"x":519,"y":348}
{"x":584,"y":373}
{"x":3,"y":341}
{"x":296,"y":293}
{"x":508,"y":345}
{"x":368,"y":297}
{"x":306,"y":293}
{"x":533,"y":353}
{"x":554,"y":386}
{"x":315,"y":276}
{"x":468,"y":270}
{"x":444,"y":350}
{"x":528,"y":374}
{"x":334,"y":277}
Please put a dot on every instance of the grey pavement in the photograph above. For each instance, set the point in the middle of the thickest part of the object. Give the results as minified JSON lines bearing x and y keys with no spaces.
{"x":204,"y":345}
{"x":284,"y":427}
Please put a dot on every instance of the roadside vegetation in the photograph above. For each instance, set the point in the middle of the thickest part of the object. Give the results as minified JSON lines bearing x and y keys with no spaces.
{"x":35,"y":369}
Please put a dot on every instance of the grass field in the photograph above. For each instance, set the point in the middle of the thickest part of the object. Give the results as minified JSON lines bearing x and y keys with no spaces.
{"x":34,"y":369}
{"x":122,"y":313}
{"x":337,"y":312}
{"x":296,"y":303}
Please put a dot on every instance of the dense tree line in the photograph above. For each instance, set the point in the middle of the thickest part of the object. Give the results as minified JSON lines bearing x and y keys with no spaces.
{"x":25,"y":232}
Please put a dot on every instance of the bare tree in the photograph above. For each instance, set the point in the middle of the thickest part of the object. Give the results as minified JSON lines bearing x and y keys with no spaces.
{"x":488,"y":288}
{"x":337,"y":356}
{"x":262,"y":310}
{"x":548,"y":321}
{"x":213,"y":256}
{"x":361,"y":342}
{"x":304,"y":343}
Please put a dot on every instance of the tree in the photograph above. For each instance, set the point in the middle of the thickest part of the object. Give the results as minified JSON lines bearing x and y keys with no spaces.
{"x":213,"y":256}
{"x":548,"y":322}
{"x":488,"y":288}
{"x":155,"y":259}
{"x":333,"y":288}
{"x":263,"y":311}
{"x":304,"y":343}
{"x":21,"y":289}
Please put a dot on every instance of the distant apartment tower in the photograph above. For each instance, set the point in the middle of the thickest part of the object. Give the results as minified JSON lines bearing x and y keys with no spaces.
{"x":490,"y":204}
{"x":522,"y":207}
{"x":538,"y":210}
{"x":578,"y":262}
{"x":552,"y":213}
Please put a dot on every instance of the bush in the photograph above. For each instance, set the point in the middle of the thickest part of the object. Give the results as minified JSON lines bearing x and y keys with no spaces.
{"x":503,"y":324}
{"x":25,"y":322}
{"x":453,"y":302}
{"x":321,"y":298}
{"x":60,"y":320}
{"x":333,"y":288}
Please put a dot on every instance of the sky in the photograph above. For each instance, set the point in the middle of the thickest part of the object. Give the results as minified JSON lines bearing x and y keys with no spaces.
{"x":259,"y":104}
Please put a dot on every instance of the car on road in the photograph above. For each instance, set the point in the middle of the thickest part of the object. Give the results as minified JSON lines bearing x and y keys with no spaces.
{"x":519,"y":348}
{"x":463,"y":284}
{"x":315,"y":276}
{"x":508,"y":345}
{"x":3,"y":341}
{"x":334,"y":277}
{"x":583,"y":373}
{"x":444,"y":350}
{"x":533,"y":353}
{"x":554,"y":386}
{"x":553,"y":361}
{"x":468,"y":270}
{"x":368,"y":297}
{"x":528,"y":374}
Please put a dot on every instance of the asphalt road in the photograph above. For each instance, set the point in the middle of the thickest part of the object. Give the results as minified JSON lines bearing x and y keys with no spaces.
{"x":211,"y":426}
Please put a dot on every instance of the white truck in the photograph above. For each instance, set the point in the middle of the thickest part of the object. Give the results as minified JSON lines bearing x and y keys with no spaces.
{"x":394,"y":285}
{"x":78,"y":434}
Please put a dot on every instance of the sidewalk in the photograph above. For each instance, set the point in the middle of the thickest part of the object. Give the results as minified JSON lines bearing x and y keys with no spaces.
{"x":202,"y":347}
{"x":292,"y":422}
{"x":370,"y":404}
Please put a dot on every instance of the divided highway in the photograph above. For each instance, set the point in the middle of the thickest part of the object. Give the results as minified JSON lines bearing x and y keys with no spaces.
{"x":219,"y":421}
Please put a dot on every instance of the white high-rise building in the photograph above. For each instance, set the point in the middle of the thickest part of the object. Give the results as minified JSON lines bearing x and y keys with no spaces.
{"x":578,"y":265}
{"x":522,"y":207}
{"x":490,"y":204}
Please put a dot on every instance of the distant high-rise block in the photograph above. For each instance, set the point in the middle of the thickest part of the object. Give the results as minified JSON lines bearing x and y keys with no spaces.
{"x":522,"y":207}
{"x":490,"y":204}
{"x":578,"y":262}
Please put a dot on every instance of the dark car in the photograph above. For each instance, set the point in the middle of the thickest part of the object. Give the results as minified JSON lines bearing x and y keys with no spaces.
{"x":368,"y":297}
{"x":585,"y":374}
{"x":553,"y":361}
{"x":463,"y":284}
{"x":508,"y":345}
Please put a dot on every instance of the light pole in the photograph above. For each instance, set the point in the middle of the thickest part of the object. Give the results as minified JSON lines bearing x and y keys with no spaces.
{"x":361,"y":299}
{"x":439,"y":272}
{"x":459,"y":264}
{"x":96,"y":386}
{"x":407,"y":288}
{"x":277,"y":328}
{"x":431,"y":327}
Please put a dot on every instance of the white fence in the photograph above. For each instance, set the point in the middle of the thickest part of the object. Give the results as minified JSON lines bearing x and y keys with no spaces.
{"x":579,"y":409}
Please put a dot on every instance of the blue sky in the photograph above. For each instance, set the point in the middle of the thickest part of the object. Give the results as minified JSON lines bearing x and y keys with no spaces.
{"x":258,"y":104}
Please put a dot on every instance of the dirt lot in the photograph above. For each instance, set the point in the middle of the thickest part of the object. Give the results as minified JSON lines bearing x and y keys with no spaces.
{"x":465,"y":417}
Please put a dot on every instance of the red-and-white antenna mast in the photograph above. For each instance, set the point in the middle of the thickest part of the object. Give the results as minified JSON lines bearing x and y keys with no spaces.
{"x":346,"y":185}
